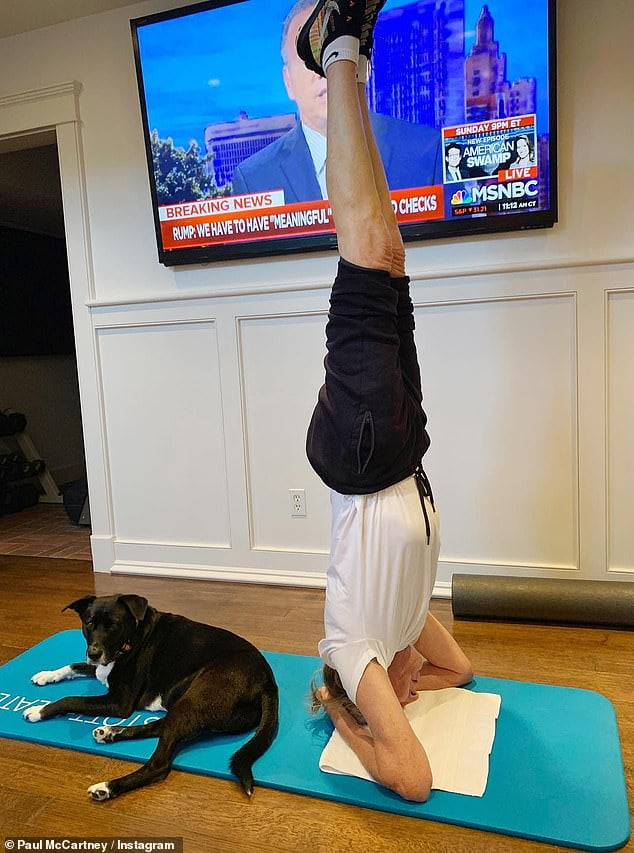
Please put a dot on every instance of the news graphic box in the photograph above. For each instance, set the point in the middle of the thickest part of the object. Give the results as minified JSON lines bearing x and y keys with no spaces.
{"x":491,"y":167}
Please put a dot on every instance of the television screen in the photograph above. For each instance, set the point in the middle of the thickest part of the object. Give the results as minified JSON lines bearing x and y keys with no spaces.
{"x":462,"y":98}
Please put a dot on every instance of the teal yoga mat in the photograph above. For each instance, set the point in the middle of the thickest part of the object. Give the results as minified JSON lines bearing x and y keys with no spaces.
{"x":556,"y":772}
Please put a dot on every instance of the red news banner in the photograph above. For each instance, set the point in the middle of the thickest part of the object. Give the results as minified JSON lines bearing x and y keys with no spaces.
{"x":262,"y":216}
{"x":517,"y":173}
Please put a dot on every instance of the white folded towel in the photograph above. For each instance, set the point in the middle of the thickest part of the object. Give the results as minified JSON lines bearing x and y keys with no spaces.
{"x":456,"y":727}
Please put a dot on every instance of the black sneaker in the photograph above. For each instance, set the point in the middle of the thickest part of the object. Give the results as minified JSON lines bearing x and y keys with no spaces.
{"x":372,"y":9}
{"x":328,"y":20}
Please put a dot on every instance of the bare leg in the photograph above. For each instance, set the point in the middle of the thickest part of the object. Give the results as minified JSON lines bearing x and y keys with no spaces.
{"x":397,"y":268}
{"x":407,"y":352}
{"x":446,"y":665}
{"x":362,"y":231}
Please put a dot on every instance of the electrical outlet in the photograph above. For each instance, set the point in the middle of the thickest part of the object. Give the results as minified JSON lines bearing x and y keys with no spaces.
{"x":298,"y":502}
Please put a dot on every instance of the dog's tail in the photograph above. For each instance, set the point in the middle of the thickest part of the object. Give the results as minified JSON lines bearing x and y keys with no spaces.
{"x":244,"y":758}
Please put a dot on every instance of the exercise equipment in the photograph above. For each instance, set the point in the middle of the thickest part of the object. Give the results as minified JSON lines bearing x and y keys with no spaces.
{"x":562,"y":601}
{"x":556,"y":772}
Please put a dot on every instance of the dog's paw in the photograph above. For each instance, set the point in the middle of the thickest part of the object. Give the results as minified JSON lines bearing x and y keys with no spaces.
{"x":99,"y":792}
{"x":47,"y":676}
{"x":104,"y":734}
{"x":34,"y":713}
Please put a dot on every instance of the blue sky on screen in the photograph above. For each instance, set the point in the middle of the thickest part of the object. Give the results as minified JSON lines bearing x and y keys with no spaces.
{"x":207,"y":67}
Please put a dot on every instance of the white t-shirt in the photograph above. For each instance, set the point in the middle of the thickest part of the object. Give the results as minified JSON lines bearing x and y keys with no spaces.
{"x":379,"y":580}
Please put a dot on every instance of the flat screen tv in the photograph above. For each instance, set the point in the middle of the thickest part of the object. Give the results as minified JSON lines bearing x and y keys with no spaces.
{"x":462,"y":96}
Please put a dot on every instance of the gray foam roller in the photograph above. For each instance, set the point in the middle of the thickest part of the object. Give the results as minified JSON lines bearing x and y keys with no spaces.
{"x":573,"y":602}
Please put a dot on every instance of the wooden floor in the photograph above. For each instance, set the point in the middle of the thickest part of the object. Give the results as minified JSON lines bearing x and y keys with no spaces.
{"x":43,"y":790}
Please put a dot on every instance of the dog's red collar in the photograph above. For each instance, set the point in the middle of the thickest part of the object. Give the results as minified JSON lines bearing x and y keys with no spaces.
{"x":126,"y":647}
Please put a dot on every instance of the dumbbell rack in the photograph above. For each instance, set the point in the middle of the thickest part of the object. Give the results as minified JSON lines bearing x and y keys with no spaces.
{"x":51,"y":493}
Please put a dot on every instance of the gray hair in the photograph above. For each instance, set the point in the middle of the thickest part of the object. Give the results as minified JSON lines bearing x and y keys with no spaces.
{"x":296,"y":8}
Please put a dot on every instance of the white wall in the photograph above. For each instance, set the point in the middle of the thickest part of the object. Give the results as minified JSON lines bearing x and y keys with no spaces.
{"x":197,"y":383}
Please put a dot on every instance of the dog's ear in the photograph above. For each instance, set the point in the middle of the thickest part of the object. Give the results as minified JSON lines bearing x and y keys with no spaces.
{"x":81,"y":605}
{"x":136,"y":604}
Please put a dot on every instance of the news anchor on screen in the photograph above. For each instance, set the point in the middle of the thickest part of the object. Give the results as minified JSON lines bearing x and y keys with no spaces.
{"x":523,"y":153}
{"x":296,"y":162}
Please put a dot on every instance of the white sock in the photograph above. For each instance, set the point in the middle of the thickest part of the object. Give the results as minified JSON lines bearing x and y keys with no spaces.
{"x":363,"y":69}
{"x":343,"y":47}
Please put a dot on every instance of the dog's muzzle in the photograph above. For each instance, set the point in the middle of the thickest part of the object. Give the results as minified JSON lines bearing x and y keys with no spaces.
{"x":94,"y":655}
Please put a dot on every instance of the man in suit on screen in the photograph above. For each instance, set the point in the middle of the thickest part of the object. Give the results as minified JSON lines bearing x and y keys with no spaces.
{"x":296,"y":162}
{"x":457,"y":168}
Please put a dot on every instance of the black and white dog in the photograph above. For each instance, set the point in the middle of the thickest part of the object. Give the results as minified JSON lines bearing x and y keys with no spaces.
{"x":207,"y":679}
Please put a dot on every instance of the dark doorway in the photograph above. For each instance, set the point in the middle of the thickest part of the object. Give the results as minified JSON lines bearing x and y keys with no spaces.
{"x":38,"y":366}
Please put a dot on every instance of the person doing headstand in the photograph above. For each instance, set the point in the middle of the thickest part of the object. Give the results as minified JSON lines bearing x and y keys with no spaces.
{"x":366,"y":440}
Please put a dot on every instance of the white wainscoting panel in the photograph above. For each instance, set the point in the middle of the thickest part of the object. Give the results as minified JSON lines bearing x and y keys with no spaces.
{"x":499,"y":384}
{"x":281,"y":372}
{"x":620,"y":430}
{"x":164,"y":430}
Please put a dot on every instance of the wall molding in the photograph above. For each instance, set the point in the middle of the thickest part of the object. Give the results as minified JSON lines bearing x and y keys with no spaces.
{"x":144,"y":324}
{"x":103,"y":552}
{"x":238,"y":574}
{"x":483,"y":567}
{"x":571,"y":297}
{"x":165,"y":324}
{"x":607,"y":295}
{"x":239,"y":320}
{"x":69,"y":88}
{"x":438,"y":274}
{"x":24,"y":112}
{"x":442,"y":589}
{"x":568,"y":297}
{"x":164,"y":543}
{"x":301,"y":552}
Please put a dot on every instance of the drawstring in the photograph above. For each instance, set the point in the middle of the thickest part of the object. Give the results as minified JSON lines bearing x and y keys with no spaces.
{"x":424,"y":490}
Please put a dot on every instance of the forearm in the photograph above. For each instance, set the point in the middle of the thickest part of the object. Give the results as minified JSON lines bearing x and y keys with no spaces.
{"x":357,"y":737}
{"x":436,"y":678}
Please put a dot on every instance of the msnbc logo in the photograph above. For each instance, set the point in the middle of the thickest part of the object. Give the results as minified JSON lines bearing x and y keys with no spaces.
{"x":462,"y":197}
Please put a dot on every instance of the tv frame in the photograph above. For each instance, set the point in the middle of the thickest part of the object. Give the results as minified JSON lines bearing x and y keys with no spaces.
{"x":415,"y":232}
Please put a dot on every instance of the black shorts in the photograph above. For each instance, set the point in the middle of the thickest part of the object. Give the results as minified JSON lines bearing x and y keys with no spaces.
{"x":368,"y":428}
